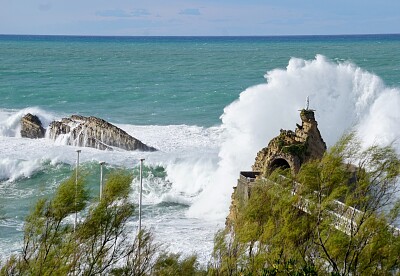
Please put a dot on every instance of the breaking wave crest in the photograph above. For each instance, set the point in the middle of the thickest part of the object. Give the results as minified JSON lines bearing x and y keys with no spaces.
{"x":12,"y":170}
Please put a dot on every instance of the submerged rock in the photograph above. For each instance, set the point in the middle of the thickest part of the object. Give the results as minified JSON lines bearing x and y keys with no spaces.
{"x":95,"y":133}
{"x":31,"y":127}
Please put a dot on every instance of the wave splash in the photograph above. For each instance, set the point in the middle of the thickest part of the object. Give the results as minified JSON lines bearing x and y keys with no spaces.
{"x":12,"y":170}
{"x":345,"y":97}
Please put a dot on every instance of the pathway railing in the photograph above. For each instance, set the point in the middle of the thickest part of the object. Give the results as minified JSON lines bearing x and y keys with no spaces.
{"x":343,"y":217}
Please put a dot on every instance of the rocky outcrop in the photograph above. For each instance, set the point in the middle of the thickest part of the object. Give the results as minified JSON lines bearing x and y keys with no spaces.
{"x":31,"y":127}
{"x":93,"y":132}
{"x":292,"y":149}
{"x":288,"y":150}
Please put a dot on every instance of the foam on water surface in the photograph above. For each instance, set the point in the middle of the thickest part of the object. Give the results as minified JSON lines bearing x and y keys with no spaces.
{"x":168,"y":176}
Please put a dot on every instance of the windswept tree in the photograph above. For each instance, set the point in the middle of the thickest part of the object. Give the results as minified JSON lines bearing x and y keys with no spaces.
{"x":49,"y":242}
{"x":336,"y":216}
{"x":51,"y":245}
{"x":101,"y":243}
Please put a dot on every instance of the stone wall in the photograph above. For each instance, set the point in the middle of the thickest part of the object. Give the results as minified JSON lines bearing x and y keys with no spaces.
{"x":240,"y":195}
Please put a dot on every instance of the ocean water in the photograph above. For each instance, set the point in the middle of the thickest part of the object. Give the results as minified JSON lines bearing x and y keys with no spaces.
{"x":207,"y":103}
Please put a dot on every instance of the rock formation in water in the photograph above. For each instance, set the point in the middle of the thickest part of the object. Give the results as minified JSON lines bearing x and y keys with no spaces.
{"x":94,"y":132}
{"x":31,"y":127}
{"x":292,"y":149}
{"x":83,"y":132}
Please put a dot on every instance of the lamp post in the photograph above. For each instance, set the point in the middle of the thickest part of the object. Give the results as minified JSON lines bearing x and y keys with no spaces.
{"x":101,"y":178}
{"x":140,"y":196}
{"x":140,"y":209}
{"x":76,"y":189}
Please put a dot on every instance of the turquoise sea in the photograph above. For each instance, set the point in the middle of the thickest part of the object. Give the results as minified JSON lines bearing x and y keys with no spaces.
{"x":170,"y":92}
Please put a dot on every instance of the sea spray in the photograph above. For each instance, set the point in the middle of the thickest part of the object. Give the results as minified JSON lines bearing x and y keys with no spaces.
{"x":12,"y":170}
{"x":344,"y":96}
{"x":190,"y":177}
{"x":381,"y":124}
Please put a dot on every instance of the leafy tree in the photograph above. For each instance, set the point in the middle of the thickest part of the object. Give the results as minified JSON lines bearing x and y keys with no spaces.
{"x":169,"y":264}
{"x":140,"y":256}
{"x":362,"y":240}
{"x":102,"y":236}
{"x":52,"y":246}
{"x":228,"y":254}
{"x":48,"y":244}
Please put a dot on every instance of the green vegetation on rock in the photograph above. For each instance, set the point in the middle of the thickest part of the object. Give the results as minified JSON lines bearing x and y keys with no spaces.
{"x":295,"y":149}
{"x":289,"y":228}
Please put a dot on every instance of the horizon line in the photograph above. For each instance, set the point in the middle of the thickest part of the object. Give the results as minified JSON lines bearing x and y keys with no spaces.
{"x":200,"y":36}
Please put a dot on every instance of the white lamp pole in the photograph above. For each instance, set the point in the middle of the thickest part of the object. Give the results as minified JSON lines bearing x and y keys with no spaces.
{"x":76,"y":189}
{"x":140,"y":209}
{"x":140,"y":196}
{"x":101,"y":178}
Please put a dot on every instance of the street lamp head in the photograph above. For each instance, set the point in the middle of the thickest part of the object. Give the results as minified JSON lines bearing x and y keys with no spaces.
{"x":78,"y":151}
{"x":102,"y":162}
{"x":142,"y":159}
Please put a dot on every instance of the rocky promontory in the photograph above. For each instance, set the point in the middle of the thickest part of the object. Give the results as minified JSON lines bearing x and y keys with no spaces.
{"x":289,"y":150}
{"x":83,"y":132}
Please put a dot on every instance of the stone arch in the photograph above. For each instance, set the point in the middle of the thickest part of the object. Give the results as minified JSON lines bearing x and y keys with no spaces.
{"x":278,"y":163}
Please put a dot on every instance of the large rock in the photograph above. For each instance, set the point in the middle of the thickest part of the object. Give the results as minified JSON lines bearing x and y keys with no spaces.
{"x":95,"y":133}
{"x":31,"y":127}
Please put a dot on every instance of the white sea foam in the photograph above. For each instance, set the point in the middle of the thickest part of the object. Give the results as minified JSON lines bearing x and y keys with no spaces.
{"x":183,"y":150}
{"x":11,"y":169}
{"x":187,"y":152}
{"x":344,"y":96}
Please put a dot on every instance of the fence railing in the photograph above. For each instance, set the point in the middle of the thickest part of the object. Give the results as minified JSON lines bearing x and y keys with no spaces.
{"x":343,"y":217}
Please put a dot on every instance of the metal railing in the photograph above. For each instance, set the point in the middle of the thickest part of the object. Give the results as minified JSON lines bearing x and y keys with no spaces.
{"x":343,"y":217}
